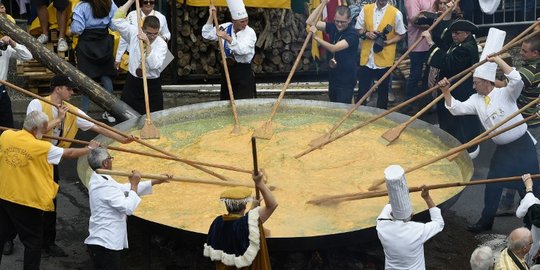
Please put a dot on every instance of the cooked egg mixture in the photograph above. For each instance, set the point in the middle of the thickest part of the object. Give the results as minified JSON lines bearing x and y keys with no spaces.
{"x":348,"y":165}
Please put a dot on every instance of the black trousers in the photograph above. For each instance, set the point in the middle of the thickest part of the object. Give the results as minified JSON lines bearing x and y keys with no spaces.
{"x":49,"y":218}
{"x":6,"y":114}
{"x":103,"y":258}
{"x":366,"y":76}
{"x":242,"y":82}
{"x":27,"y":222}
{"x":133,"y":94}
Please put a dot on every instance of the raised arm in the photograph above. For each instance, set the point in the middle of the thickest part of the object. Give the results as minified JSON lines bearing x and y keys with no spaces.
{"x":270,"y":203}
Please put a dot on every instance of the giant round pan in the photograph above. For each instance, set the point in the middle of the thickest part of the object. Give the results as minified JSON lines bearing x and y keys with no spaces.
{"x":337,"y":225}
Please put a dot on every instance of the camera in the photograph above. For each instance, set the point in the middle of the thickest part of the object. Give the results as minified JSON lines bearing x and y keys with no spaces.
{"x":378,"y":44}
{"x":3,"y":45}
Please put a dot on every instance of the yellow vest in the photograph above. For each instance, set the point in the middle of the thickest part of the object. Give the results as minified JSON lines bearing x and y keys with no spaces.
{"x":27,"y":176}
{"x":70,"y":122}
{"x":386,"y":57}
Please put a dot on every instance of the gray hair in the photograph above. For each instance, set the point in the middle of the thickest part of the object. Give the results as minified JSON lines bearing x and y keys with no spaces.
{"x":96,"y":157}
{"x":518,"y":239}
{"x":482,"y":258}
{"x":35,"y":120}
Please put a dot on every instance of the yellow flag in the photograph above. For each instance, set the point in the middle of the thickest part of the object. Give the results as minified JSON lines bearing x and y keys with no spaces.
{"x":313,"y":4}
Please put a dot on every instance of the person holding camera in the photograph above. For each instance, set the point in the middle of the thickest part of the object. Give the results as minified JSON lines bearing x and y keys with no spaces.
{"x":381,"y":26}
{"x":343,"y":47}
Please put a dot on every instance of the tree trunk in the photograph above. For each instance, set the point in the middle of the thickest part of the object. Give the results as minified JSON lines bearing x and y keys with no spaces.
{"x":89,"y":87}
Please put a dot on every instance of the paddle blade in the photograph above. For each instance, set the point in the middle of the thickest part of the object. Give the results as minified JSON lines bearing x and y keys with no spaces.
{"x":235,"y":130}
{"x":392,"y":135}
{"x":320,"y":141}
{"x":149,"y":131}
{"x":265,"y":132}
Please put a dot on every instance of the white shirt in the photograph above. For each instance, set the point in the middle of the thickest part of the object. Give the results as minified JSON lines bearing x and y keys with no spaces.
{"x":154,"y":60}
{"x":378,"y":15}
{"x":132,"y":19}
{"x":110,"y":204}
{"x":502,"y":104}
{"x":523,"y":207}
{"x":403,"y":242}
{"x":82,"y":123}
{"x":19,"y":52}
{"x":242,"y":45}
{"x":55,"y":155}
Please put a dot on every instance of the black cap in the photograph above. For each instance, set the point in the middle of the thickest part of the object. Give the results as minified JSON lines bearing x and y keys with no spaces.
{"x":463,"y":25}
{"x":62,"y":80}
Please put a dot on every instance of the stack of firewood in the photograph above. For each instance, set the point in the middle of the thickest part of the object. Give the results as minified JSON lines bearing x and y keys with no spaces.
{"x":280,"y":34}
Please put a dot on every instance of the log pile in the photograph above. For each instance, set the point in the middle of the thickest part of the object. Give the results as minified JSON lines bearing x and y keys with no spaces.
{"x":280,"y":34}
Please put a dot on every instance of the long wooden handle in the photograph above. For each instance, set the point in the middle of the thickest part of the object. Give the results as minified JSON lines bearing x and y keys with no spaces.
{"x":390,"y":70}
{"x":382,"y":193}
{"x":226,"y":70}
{"x":145,"y":154}
{"x":175,"y":178}
{"x":143,"y":63}
{"x":293,"y":69}
{"x":15,"y":87}
{"x":255,"y":165}
{"x":520,"y":38}
{"x":457,"y":149}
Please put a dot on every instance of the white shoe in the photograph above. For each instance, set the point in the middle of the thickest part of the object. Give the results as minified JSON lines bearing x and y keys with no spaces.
{"x":108,"y":117}
{"x":43,"y":39}
{"x":62,"y":45}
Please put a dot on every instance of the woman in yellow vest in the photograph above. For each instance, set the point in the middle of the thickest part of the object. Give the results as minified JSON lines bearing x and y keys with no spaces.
{"x":381,"y":26}
{"x":26,"y":188}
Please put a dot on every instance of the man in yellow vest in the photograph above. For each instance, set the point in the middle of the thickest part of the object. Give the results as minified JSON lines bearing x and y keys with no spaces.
{"x":63,"y":124}
{"x":26,"y":186}
{"x":381,"y":26}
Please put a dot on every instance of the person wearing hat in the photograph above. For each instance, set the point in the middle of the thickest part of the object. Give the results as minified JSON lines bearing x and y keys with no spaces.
{"x":236,"y":239}
{"x":156,"y":50}
{"x":344,"y":48}
{"x":63,"y":124}
{"x":514,"y":152}
{"x":462,"y":54}
{"x":402,"y":239}
{"x":239,"y":44}
{"x":27,"y":189}
{"x":381,"y":26}
{"x":110,"y":204}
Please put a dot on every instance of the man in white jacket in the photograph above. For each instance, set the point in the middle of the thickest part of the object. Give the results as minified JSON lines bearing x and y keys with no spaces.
{"x":110,"y":204}
{"x":402,"y":239}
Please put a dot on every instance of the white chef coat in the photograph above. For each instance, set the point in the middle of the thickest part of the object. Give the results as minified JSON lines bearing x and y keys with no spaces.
{"x":502,"y":104}
{"x":110,"y":204}
{"x":403,"y":242}
{"x":523,"y":207}
{"x":82,"y":123}
{"x":132,"y":19}
{"x":19,"y":52}
{"x":242,"y":45}
{"x":154,"y":60}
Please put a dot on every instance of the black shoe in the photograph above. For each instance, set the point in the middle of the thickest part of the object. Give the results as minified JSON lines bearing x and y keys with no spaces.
{"x":478,"y":227}
{"x":54,"y":251}
{"x":8,"y":248}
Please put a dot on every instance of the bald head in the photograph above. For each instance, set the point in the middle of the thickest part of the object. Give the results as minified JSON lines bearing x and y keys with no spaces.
{"x":519,"y":241}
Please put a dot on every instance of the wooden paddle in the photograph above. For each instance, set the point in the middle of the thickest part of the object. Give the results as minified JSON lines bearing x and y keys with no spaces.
{"x":382,"y":193}
{"x":328,"y":135}
{"x":176,"y":178}
{"x":508,"y":118}
{"x":255,"y":166}
{"x":393,"y":134}
{"x":266,"y":131}
{"x":509,"y":45}
{"x":145,"y":154}
{"x":83,"y":116}
{"x":236,"y":128}
{"x":149,"y":130}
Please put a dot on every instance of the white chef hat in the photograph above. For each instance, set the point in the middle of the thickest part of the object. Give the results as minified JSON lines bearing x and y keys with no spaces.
{"x":398,"y":192}
{"x":237,"y":9}
{"x":494,"y":43}
{"x":489,"y":6}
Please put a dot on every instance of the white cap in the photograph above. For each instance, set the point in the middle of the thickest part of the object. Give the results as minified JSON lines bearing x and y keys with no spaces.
{"x":489,"y":6}
{"x":398,"y":192}
{"x":494,"y":43}
{"x":237,"y":9}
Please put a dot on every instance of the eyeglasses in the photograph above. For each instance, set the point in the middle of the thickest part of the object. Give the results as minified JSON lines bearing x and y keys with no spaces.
{"x":148,"y":2}
{"x":340,"y":22}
